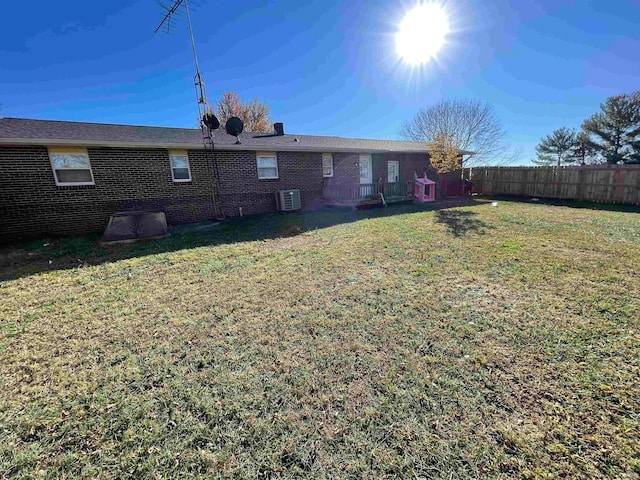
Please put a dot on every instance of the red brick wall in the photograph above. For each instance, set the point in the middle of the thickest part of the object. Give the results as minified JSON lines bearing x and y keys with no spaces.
{"x":408,"y":163}
{"x":240,"y":186}
{"x":125,"y":179}
{"x":346,"y":166}
{"x":346,"y":169}
{"x":140,"y":179}
{"x":346,"y":172}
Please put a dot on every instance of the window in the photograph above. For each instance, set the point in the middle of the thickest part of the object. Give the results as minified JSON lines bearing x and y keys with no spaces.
{"x":267,"y":166}
{"x":327,"y":165}
{"x":180,"y":171}
{"x":71,"y":166}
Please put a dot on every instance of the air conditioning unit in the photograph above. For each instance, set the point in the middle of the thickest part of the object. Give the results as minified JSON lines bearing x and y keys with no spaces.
{"x":288,"y":200}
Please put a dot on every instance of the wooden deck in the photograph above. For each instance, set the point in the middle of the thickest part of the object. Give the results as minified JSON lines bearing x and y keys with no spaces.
{"x":366,"y":194}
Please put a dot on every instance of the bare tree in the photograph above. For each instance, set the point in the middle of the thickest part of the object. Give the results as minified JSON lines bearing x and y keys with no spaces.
{"x":229,"y":106}
{"x":470,"y":123}
{"x":255,"y":114}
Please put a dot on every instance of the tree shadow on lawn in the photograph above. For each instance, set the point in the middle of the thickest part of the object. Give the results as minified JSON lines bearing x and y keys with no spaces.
{"x":59,"y":254}
{"x":460,"y":222}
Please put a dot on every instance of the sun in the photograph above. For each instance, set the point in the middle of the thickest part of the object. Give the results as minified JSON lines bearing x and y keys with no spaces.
{"x":422,"y":33}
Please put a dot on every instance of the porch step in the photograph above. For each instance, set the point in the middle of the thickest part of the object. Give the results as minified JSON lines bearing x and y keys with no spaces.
{"x":406,"y":199}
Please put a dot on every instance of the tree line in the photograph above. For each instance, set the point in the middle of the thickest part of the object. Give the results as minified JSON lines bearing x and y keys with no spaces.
{"x":610,"y":136}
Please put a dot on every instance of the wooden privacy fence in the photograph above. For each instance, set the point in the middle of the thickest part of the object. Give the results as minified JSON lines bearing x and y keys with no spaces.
{"x":597,"y":183}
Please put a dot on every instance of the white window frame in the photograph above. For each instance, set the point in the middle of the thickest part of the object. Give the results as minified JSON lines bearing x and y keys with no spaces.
{"x":326,"y":156}
{"x":179,"y":153}
{"x":69,"y":151}
{"x":260,"y":155}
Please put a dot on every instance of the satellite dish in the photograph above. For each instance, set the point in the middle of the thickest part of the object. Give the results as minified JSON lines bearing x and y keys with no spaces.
{"x":234,"y":126}
{"x":210,"y":121}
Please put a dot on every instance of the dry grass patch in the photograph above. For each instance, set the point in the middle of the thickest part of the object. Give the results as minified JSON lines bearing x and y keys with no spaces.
{"x":463,"y":343}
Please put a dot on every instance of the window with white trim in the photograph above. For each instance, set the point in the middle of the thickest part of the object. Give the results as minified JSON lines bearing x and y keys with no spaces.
{"x":180,"y":170}
{"x":327,"y":165}
{"x":71,"y":166}
{"x":267,"y":166}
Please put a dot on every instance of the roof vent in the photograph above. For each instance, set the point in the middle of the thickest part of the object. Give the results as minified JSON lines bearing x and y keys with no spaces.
{"x":278,"y":128}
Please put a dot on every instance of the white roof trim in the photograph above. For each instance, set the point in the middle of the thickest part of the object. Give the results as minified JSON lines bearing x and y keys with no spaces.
{"x":189,"y":146}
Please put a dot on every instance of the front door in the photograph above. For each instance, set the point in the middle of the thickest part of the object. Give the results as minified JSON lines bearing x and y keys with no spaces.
{"x":393,"y":171}
{"x":366,"y":175}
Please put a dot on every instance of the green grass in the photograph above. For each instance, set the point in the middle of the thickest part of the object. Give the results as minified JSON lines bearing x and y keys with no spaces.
{"x":473,"y":342}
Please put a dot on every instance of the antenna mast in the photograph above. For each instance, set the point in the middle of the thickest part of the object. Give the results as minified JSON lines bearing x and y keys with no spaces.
{"x":201,"y":94}
{"x":207,"y":119}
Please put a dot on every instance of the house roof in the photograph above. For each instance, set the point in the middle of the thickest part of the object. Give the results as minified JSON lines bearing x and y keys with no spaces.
{"x":49,"y":132}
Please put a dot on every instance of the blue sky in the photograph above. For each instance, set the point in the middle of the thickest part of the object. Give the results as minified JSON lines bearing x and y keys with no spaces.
{"x":324,"y":67}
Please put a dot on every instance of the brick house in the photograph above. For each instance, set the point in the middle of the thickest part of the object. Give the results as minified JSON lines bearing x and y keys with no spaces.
{"x":67,"y":178}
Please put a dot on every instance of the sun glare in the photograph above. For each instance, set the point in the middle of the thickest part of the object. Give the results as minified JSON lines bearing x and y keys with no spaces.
{"x":422,"y":33}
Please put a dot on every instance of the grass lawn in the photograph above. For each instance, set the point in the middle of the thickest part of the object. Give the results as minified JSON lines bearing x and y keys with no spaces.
{"x":471,"y":342}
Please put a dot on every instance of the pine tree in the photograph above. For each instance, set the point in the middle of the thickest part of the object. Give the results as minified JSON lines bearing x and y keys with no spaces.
{"x":616,"y":129}
{"x":634,"y":135}
{"x":557,"y":147}
{"x":583,"y":152}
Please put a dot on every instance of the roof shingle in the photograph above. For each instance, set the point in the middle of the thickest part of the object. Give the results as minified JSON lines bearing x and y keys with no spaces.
{"x":53,"y":132}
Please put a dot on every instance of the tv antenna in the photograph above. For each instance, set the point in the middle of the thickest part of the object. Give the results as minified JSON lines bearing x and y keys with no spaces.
{"x":201,"y":94}
{"x":208,"y":120}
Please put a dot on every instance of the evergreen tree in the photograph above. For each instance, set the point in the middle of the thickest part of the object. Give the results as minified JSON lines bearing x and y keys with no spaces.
{"x":557,"y":147}
{"x":616,"y":129}
{"x":634,"y":135}
{"x":583,"y":152}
